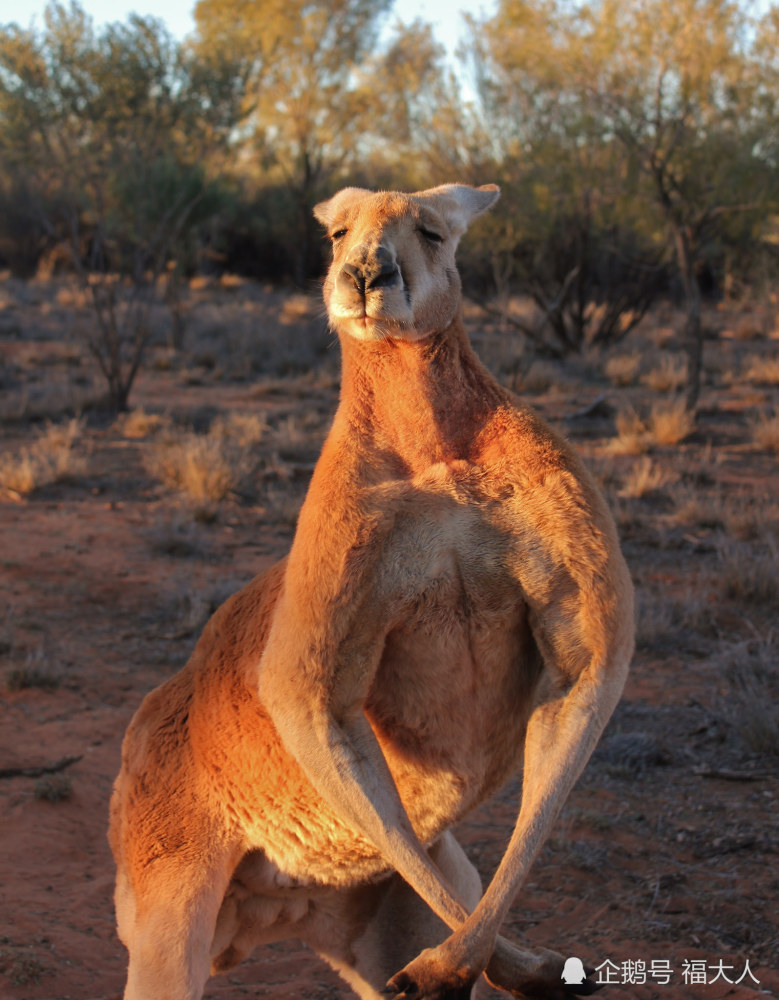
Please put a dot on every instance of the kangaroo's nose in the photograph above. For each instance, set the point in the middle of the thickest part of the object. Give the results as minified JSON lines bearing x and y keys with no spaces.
{"x":383,"y":271}
{"x":387,"y":276}
{"x":355,"y":276}
{"x":372,"y":271}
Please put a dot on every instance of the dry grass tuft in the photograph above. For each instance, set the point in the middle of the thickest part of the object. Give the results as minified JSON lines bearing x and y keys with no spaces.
{"x":662,"y":336}
{"x":669,"y":376}
{"x":54,"y":788}
{"x":139,"y":424}
{"x":37,"y":671}
{"x":631,"y":436}
{"x":664,"y":622}
{"x":670,"y":422}
{"x":623,"y":369}
{"x":761,"y":371}
{"x":178,"y":536}
{"x":646,"y":477}
{"x":230,"y":282}
{"x":51,"y":458}
{"x":751,"y":670}
{"x":540,"y":378}
{"x":765,"y":431}
{"x":696,"y":508}
{"x":747,"y":328}
{"x":749,"y":574}
{"x":298,"y":309}
{"x":209,"y":467}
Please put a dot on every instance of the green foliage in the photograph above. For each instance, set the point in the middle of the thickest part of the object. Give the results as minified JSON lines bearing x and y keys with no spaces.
{"x":649,"y":120}
{"x":115,"y":128}
{"x":307,"y":106}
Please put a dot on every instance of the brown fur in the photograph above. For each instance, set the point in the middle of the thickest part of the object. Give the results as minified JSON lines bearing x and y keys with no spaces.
{"x":454,"y":604}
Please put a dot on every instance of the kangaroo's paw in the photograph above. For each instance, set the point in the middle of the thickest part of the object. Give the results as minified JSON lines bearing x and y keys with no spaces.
{"x":433,"y":976}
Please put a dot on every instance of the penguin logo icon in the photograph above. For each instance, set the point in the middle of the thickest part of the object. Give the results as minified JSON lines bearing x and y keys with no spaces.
{"x":573,"y":971}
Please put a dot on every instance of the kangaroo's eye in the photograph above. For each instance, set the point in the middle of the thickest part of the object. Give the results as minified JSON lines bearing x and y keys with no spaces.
{"x":430,"y":236}
{"x":338,"y":235}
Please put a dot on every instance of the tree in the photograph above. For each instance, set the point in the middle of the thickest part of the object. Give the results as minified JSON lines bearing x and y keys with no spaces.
{"x":677,"y":84}
{"x":116,"y":128}
{"x":573,"y":236}
{"x":680,"y":85}
{"x":308,"y":109}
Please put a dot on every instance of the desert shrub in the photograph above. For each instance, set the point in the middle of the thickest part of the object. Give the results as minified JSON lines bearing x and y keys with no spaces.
{"x":49,"y":459}
{"x":23,"y":235}
{"x":209,"y":467}
{"x":118,"y":124}
{"x":591,"y":274}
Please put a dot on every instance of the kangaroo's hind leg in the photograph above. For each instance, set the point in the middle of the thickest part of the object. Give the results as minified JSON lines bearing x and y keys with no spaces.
{"x":167,"y":921}
{"x":380,"y":928}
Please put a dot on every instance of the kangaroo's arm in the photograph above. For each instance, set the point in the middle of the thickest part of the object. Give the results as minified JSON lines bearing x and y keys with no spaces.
{"x":322,"y":654}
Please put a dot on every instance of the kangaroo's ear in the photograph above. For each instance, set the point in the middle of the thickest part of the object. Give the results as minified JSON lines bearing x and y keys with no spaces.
{"x":326,"y":211}
{"x":459,"y":203}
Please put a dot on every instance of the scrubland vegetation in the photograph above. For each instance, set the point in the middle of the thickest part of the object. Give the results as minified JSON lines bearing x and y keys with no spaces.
{"x":168,"y":379}
{"x":636,"y":145}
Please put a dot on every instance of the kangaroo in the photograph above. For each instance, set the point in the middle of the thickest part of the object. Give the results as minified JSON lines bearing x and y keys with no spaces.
{"x":454,"y":606}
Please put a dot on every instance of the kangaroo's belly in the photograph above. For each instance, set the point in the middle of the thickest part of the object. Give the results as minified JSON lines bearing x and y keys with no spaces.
{"x":450,"y":704}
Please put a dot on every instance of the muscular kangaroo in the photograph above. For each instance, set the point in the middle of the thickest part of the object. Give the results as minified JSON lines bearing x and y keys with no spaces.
{"x":454,"y":606}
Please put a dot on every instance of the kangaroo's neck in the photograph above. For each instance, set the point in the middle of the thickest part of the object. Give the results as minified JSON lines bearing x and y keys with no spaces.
{"x":421,"y":402}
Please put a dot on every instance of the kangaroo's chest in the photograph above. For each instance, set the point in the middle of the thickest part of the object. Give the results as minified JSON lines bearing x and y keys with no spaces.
{"x":452,"y":694}
{"x":447,"y":557}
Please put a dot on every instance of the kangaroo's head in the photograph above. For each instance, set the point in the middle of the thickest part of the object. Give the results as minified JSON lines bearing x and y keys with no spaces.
{"x":393,"y":272}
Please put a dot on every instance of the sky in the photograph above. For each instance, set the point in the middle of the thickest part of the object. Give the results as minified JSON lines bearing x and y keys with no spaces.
{"x":444,"y":15}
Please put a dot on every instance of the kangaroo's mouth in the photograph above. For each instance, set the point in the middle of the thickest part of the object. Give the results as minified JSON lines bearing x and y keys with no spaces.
{"x":368,"y":327}
{"x":374,"y":316}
